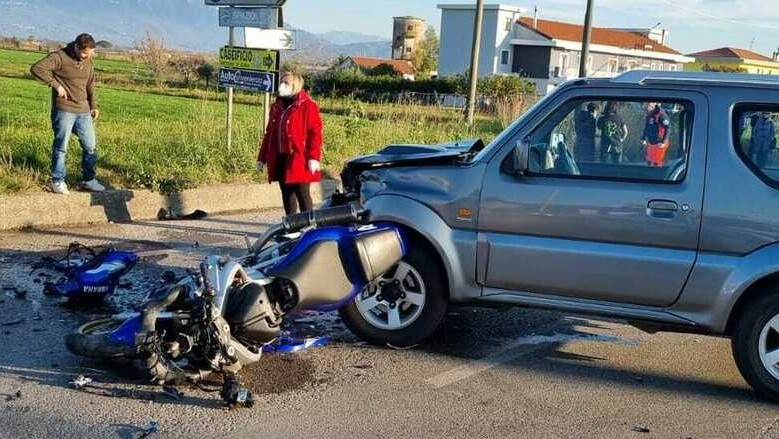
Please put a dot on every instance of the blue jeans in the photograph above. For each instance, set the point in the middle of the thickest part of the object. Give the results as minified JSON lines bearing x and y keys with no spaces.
{"x":64,"y":124}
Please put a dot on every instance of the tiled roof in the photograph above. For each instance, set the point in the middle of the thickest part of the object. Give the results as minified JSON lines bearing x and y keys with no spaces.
{"x":730,"y":52}
{"x":603,"y":36}
{"x":399,"y":65}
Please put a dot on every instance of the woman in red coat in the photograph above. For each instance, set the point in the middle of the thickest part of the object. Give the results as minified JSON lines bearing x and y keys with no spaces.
{"x":292,"y":146}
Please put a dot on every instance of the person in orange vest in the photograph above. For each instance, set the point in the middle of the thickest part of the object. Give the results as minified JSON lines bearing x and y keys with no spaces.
{"x":656,"y":128}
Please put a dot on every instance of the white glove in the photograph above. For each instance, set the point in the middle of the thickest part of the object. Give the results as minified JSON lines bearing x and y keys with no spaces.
{"x":260,"y":166}
{"x":314,"y":166}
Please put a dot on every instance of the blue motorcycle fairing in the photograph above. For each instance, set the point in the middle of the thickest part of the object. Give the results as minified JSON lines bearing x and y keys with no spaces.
{"x":99,"y":277}
{"x":126,"y":332}
{"x":345,"y":236}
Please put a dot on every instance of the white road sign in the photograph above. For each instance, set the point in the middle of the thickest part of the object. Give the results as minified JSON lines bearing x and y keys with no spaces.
{"x":266,"y":18}
{"x":275,"y":39}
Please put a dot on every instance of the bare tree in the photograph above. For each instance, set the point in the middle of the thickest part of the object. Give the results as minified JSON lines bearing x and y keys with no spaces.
{"x":186,"y":65}
{"x":152,"y":52}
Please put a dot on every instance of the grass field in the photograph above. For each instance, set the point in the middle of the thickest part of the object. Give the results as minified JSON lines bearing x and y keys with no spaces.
{"x":175,"y":138}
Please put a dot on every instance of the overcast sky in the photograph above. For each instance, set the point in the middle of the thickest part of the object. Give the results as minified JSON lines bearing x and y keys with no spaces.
{"x":693,"y":25}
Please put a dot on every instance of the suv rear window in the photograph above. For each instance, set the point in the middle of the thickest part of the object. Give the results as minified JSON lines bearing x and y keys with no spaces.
{"x":756,"y":137}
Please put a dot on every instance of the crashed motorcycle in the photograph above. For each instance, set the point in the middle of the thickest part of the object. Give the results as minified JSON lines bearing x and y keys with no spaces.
{"x":219,"y":317}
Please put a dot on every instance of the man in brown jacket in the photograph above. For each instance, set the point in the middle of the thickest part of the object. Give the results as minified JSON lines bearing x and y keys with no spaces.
{"x":71,"y":76}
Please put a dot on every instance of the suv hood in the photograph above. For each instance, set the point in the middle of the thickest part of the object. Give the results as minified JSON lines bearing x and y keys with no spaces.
{"x":402,"y":155}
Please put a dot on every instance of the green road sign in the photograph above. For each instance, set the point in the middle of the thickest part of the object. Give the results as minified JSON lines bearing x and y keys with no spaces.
{"x":261,"y":60}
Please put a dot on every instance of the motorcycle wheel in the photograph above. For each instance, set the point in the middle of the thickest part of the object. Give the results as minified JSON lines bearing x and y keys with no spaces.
{"x":92,"y":340}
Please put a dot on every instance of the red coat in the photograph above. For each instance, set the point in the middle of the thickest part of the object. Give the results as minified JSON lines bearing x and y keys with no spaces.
{"x":298,"y":130}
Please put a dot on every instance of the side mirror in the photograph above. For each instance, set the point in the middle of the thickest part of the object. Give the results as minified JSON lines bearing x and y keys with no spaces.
{"x":521,"y":156}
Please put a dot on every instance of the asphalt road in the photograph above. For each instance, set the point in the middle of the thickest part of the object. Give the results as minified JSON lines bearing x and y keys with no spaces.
{"x":486,"y":373}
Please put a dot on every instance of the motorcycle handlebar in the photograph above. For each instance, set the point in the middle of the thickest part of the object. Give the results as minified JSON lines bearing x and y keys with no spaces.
{"x":330,"y":216}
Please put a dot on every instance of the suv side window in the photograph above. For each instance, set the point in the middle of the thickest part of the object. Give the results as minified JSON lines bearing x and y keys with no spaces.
{"x":756,"y":137}
{"x":619,"y":139}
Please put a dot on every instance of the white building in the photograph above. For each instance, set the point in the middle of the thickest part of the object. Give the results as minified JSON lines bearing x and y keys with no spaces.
{"x":546,"y":52}
{"x":457,"y":38}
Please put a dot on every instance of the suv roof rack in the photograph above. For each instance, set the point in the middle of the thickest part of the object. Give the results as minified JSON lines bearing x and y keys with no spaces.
{"x":647,"y":77}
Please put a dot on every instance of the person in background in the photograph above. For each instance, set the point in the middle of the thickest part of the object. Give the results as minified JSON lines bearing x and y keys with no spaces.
{"x":584,"y":125}
{"x":71,"y":76}
{"x":763,"y":138}
{"x":613,"y":132}
{"x":657,"y":125}
{"x":292,"y":145}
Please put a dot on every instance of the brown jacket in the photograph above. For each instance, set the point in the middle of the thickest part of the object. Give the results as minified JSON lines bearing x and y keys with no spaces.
{"x":77,"y":77}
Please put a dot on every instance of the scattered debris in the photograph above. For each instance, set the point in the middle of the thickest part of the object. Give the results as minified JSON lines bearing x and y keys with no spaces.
{"x":15,"y":396}
{"x":286,"y":343}
{"x":172,"y":392}
{"x":12,"y":322}
{"x":236,"y":395}
{"x":150,"y":429}
{"x":80,"y":382}
{"x":640,"y":429}
{"x":165,"y":215}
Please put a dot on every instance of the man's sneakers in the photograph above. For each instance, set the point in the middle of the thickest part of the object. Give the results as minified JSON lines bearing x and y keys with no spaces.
{"x":59,"y":187}
{"x":93,"y":186}
{"x":62,"y":188}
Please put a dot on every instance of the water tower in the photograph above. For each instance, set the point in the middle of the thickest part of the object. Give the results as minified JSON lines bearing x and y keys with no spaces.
{"x":407,"y":33}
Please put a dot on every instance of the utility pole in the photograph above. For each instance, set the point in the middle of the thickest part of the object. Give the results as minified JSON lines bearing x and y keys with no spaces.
{"x":474,"y":76}
{"x":586,"y":36}
{"x":230,"y":100}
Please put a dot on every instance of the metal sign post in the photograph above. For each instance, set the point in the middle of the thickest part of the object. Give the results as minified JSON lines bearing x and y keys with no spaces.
{"x":230,"y":99}
{"x":250,"y":69}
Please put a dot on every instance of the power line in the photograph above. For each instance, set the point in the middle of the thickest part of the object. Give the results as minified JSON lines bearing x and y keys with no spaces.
{"x":716,"y":17}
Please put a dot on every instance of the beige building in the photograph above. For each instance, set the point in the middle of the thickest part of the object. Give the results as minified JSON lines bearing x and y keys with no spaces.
{"x":407,"y":33}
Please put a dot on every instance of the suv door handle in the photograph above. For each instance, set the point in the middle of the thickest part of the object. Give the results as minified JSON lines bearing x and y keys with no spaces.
{"x":663,"y":209}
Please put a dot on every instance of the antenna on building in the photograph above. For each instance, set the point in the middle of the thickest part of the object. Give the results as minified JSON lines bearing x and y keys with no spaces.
{"x":535,"y":17}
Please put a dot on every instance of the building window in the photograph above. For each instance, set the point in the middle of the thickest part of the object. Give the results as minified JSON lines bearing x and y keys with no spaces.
{"x":589,"y":64}
{"x":504,"y":57}
{"x":509,"y":22}
{"x":653,"y":66}
{"x":410,"y":28}
{"x":408,"y":50}
{"x":671,"y":67}
{"x":564,"y":64}
{"x":612,"y":65}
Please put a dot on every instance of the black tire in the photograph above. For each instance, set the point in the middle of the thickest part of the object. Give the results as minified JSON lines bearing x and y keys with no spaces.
{"x":745,"y":341}
{"x":425,"y":261}
{"x":92,"y":340}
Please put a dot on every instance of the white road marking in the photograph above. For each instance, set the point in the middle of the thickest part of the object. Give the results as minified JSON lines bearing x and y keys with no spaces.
{"x":522,"y":346}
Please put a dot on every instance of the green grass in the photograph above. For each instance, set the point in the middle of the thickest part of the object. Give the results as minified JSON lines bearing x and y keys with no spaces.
{"x":175,"y":138}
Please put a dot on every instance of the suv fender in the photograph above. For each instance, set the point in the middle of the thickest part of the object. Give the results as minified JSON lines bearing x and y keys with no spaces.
{"x":456,"y":249}
{"x":721,"y":284}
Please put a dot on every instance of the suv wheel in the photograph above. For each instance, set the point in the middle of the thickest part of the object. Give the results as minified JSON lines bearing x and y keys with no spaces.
{"x":402,"y":307}
{"x":755,"y":342}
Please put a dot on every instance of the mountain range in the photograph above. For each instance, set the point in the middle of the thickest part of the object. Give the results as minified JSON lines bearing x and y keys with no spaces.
{"x":181,"y":24}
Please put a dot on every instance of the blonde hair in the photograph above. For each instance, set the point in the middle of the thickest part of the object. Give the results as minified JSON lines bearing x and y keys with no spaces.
{"x":297,"y":80}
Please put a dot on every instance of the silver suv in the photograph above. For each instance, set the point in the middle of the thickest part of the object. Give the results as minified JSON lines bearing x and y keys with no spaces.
{"x":652,"y":197}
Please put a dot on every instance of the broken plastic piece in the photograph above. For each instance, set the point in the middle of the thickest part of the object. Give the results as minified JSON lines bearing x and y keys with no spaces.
{"x":288,"y":344}
{"x":234,"y":394}
{"x":80,"y":382}
{"x":153,"y":427}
